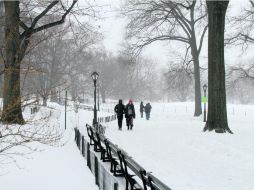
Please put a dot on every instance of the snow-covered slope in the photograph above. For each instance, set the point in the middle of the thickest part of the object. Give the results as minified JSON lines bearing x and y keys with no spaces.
{"x":51,"y":168}
{"x":173,"y":146}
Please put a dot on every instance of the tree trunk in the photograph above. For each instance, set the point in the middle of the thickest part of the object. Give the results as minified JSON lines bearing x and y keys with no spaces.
{"x":12,"y":112}
{"x":217,"y":109}
{"x":1,"y":45}
{"x":44,"y":101}
{"x":195,"y":56}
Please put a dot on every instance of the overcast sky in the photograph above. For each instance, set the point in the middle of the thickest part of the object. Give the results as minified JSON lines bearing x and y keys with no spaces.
{"x":113,"y":27}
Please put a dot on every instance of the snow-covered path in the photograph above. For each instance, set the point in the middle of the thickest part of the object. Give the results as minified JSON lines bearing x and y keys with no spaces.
{"x":173,"y":146}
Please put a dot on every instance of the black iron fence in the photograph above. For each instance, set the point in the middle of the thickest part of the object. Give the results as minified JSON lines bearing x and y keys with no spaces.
{"x":121,"y":164}
{"x":106,"y":119}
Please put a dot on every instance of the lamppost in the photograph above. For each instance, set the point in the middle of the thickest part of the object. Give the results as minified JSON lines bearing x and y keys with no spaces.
{"x":98,"y":97}
{"x":205,"y":100}
{"x":95,"y":76}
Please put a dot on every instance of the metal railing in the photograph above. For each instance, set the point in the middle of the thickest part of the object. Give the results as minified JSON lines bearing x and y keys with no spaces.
{"x":106,"y":119}
{"x":146,"y":180}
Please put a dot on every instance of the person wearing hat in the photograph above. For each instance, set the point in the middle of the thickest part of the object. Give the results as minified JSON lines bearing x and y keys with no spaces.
{"x":119,"y":109}
{"x":130,"y":114}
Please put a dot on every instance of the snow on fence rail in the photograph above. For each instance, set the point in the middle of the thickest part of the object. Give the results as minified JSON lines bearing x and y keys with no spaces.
{"x":106,"y":119}
{"x":86,"y":107}
{"x":121,"y":164}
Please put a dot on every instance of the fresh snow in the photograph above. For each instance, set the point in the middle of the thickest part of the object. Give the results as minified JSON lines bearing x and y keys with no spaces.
{"x":171,"y":145}
{"x":51,"y":168}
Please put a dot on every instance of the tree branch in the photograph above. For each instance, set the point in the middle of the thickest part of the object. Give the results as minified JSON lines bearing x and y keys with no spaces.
{"x":48,"y":8}
{"x":61,"y":21}
{"x":201,"y":39}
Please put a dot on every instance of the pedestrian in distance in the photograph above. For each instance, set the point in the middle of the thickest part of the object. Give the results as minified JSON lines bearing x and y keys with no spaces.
{"x":148,"y":108}
{"x":142,"y":107}
{"x":130,"y":114}
{"x":120,"y":110}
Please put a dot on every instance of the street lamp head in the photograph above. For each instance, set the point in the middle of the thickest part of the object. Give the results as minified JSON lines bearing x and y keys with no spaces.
{"x":95,"y":76}
{"x":205,"y":87}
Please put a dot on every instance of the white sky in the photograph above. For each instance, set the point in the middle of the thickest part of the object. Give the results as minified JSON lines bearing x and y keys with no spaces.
{"x":113,"y":27}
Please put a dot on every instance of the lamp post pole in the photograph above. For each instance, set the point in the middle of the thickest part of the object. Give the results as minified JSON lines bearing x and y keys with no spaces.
{"x":98,"y":97}
{"x":95,"y":110}
{"x":95,"y":76}
{"x":205,"y":88}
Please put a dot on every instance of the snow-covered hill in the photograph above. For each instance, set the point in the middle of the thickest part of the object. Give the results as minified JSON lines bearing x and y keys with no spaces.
{"x":171,"y":145}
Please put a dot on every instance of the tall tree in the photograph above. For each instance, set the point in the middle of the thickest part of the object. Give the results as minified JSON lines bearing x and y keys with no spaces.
{"x":16,"y":44}
{"x":217,"y":110}
{"x":172,"y":20}
{"x":1,"y":44}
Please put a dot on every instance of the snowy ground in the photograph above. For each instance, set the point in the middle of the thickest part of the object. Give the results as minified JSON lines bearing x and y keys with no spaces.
{"x":53,"y":168}
{"x":171,"y":145}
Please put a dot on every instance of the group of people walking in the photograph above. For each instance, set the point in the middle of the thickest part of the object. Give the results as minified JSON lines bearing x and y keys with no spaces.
{"x":147,"y":109}
{"x":129,"y":112}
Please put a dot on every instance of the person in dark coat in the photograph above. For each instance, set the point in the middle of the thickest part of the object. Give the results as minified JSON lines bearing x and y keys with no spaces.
{"x":142,"y":107}
{"x":130,"y":114}
{"x":119,"y":109}
{"x":148,"y":108}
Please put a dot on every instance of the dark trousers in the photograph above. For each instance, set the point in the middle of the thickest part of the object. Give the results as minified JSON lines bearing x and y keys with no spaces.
{"x":129,"y":122}
{"x":147,"y":115}
{"x":141,"y":113}
{"x":120,"y":121}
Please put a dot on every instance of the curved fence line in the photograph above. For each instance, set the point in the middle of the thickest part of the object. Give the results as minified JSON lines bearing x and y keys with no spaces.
{"x":122,"y":165}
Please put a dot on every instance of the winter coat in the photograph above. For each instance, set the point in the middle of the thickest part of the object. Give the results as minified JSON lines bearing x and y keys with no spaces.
{"x":130,"y":111}
{"x":142,"y":107}
{"x":119,"y":109}
{"x":148,"y":108}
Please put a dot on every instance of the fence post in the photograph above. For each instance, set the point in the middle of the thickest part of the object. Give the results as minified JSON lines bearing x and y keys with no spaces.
{"x":75,"y":131}
{"x":78,"y":140}
{"x":88,"y":156}
{"x":115,"y":186}
{"x":96,"y":170}
{"x":65,"y":109}
{"x":83,"y":146}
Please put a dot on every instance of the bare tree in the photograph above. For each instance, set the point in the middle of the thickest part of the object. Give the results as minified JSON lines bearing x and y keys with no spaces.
{"x":1,"y":44}
{"x":16,"y":44}
{"x":181,"y":21}
{"x":217,"y":110}
{"x":179,"y":81}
